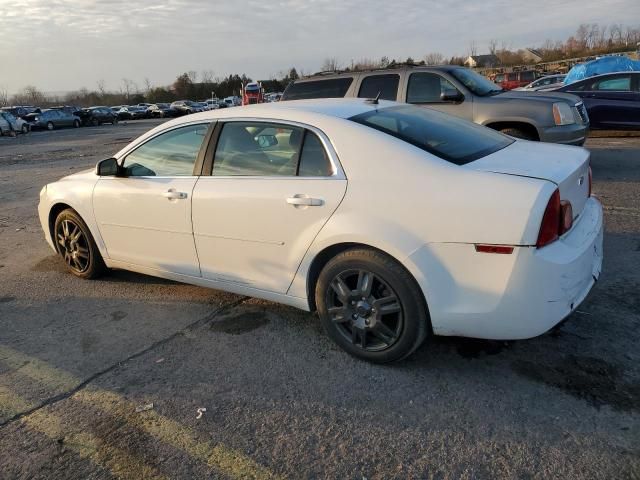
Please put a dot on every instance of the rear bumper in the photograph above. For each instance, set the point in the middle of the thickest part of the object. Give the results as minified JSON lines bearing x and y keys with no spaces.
{"x":515,"y":296}
{"x":575,"y":134}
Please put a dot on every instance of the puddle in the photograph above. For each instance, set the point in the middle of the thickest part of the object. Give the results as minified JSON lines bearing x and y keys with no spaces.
{"x":7,"y":299}
{"x":591,"y":379}
{"x":52,"y":263}
{"x":241,"y":322}
{"x":117,"y":316}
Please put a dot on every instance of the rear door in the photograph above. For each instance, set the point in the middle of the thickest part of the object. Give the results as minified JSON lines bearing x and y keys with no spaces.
{"x":273,"y":187}
{"x":426,"y":89}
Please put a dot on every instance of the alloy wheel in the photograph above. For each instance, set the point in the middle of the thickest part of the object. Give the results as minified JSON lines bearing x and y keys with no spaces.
{"x":365,"y":309}
{"x":73,"y":245}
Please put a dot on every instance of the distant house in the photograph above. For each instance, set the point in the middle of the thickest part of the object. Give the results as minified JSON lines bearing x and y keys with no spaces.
{"x":531,"y":55}
{"x":482,"y":61}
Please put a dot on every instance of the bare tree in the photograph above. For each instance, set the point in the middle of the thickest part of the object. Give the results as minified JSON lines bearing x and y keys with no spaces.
{"x":473,"y":48}
{"x":206,"y":76}
{"x":4,"y":96}
{"x":128,"y":87}
{"x":434,"y":58}
{"x":330,"y":64}
{"x":193,"y":76}
{"x":493,"y":46}
{"x":101,"y":88}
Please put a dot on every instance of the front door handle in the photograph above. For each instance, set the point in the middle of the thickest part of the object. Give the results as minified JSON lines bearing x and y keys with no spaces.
{"x":301,"y":200}
{"x":172,"y":194}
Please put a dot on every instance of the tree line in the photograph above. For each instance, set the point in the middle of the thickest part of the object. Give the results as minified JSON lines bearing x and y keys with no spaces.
{"x":588,"y":40}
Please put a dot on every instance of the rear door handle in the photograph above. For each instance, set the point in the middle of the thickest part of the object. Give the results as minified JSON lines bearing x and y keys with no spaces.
{"x":301,"y":200}
{"x":174,"y":195}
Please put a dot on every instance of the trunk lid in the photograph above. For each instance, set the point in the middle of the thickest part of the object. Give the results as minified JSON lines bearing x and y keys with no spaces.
{"x":566,"y":166}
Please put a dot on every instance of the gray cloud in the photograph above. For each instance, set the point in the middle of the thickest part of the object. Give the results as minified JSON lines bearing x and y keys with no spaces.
{"x":66,"y":44}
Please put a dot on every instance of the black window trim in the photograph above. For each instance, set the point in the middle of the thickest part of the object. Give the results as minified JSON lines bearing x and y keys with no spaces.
{"x":351,"y":78}
{"x":337,"y":170}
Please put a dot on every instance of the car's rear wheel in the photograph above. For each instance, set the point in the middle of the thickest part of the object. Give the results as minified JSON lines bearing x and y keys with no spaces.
{"x":76,"y":245}
{"x":517,"y":133}
{"x":371,"y":306}
{"x":50,"y":126}
{"x":76,"y":123}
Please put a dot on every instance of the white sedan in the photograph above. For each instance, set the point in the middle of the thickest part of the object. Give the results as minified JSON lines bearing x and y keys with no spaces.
{"x":394,"y":222}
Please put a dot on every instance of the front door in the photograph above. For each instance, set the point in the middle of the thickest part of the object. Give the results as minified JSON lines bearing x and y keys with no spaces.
{"x":272,"y":189}
{"x":614,"y":102}
{"x":145,"y":217}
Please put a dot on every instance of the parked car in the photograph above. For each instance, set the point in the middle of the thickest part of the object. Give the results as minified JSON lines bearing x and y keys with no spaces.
{"x":612,"y":100}
{"x":548,"y":117}
{"x":425,"y":224}
{"x":160,"y":110}
{"x":10,"y":125}
{"x":544,"y":83}
{"x":185,"y":107}
{"x":132,"y":112}
{"x":213,"y":104}
{"x":511,"y":80}
{"x":50,"y":119}
{"x":21,"y":111}
{"x":95,"y":116}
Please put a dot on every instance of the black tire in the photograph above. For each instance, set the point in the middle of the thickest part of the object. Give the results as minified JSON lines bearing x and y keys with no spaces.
{"x":386,"y":320}
{"x":25,"y":129}
{"x":115,"y":121}
{"x":95,"y":122}
{"x":76,"y":124}
{"x":50,"y":126}
{"x":78,"y":250}
{"x":517,"y":133}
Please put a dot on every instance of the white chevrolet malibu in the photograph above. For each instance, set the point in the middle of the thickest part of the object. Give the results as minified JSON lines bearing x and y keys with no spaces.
{"x":393,"y":222}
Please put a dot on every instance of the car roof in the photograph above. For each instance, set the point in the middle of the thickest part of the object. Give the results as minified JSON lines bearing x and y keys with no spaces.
{"x":378,"y":71}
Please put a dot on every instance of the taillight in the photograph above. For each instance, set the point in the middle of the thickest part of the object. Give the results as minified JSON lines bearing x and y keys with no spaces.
{"x":590,"y":180}
{"x":550,"y":221}
{"x":566,"y":217}
{"x":556,"y":221}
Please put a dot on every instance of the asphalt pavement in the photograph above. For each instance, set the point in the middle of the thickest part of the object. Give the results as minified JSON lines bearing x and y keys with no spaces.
{"x":132,"y":376}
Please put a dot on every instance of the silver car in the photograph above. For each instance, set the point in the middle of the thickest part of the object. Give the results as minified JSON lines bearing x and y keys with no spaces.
{"x":543,"y":83}
{"x":11,"y":124}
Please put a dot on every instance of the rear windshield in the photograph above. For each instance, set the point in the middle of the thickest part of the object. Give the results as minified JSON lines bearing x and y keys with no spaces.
{"x":450,"y":138}
{"x":329,"y":88}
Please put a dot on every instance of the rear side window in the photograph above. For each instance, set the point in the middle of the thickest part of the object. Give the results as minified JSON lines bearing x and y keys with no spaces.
{"x":329,"y":88}
{"x":385,"y":85}
{"x":620,"y":84}
{"x":450,"y":138}
{"x":314,"y":161}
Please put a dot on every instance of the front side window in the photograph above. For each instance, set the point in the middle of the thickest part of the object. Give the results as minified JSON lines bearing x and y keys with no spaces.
{"x":620,"y":84}
{"x":257,"y":149}
{"x":475,"y":82}
{"x":450,"y":138}
{"x":329,"y":88}
{"x":425,"y":87}
{"x":385,"y":85}
{"x":170,"y":154}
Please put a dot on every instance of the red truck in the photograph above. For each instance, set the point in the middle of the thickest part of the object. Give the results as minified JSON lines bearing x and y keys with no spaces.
{"x":252,"y":93}
{"x":511,"y":80}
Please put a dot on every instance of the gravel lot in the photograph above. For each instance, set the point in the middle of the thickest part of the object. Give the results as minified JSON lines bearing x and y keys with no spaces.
{"x":77,"y":358}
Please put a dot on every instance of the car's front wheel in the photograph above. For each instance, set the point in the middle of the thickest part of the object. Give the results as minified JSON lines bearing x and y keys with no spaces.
{"x":371,"y":306}
{"x":518,"y":133}
{"x":25,"y":128}
{"x":76,"y":124}
{"x":76,"y":246}
{"x":50,"y":126}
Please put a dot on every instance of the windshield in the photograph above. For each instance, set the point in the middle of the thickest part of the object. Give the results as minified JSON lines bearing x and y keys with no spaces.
{"x":450,"y":138}
{"x":475,"y":82}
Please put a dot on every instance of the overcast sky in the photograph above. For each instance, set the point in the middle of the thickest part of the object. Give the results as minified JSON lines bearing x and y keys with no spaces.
{"x":62,"y":45}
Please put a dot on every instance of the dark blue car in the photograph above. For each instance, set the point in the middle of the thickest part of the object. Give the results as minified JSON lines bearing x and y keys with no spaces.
{"x":612,"y":100}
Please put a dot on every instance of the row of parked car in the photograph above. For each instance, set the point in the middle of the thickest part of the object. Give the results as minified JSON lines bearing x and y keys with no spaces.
{"x":24,"y":118}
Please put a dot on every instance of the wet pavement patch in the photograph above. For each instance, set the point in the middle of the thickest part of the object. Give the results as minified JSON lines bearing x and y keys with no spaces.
{"x":52,"y":263}
{"x":117,"y":316}
{"x":588,"y":378}
{"x":239,"y":322}
{"x":7,"y":299}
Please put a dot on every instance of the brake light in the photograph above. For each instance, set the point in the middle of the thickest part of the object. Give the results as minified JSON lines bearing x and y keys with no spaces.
{"x":550,"y":221}
{"x":590,"y":180}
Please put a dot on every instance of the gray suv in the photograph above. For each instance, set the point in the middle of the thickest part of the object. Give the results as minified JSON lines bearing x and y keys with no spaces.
{"x":545,"y":116}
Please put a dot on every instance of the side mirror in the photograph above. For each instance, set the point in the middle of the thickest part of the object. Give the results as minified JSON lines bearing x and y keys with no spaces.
{"x":451,"y":95}
{"x":266,"y":141}
{"x":109,"y":168}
